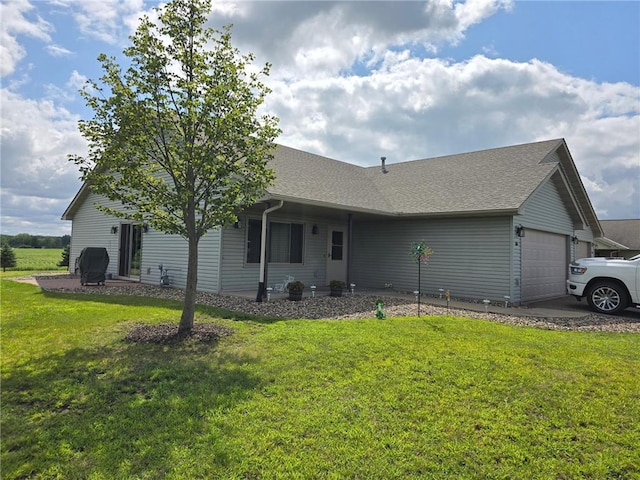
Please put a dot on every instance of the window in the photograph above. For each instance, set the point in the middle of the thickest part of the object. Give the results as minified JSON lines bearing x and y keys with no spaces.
{"x":285,"y":242}
{"x":337,"y":244}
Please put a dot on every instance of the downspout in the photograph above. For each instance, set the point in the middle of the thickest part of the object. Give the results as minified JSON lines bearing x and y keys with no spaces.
{"x":263,"y":249}
{"x":349,"y":248}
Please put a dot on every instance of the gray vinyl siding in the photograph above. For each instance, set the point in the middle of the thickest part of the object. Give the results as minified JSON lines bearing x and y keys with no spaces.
{"x":168,"y":250}
{"x":92,"y":228}
{"x":471,"y":256}
{"x":544,"y":211}
{"x":238,"y":275}
{"x":172,"y":251}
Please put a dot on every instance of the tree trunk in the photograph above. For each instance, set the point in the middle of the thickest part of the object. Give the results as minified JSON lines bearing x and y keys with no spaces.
{"x":189,"y":306}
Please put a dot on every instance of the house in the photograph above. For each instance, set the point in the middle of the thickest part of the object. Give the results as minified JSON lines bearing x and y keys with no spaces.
{"x":621,"y":238}
{"x":504,"y":221}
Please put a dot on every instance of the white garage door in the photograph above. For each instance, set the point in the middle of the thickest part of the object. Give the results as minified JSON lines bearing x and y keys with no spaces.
{"x":544,"y":265}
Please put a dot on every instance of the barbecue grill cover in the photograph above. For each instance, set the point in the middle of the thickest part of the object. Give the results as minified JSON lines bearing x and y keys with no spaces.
{"x":93,"y":265}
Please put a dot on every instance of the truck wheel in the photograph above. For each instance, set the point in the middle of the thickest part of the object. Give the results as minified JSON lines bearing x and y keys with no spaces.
{"x":607,"y":297}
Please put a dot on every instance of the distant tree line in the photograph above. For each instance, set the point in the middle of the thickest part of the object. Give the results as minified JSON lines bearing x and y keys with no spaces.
{"x":25,"y":240}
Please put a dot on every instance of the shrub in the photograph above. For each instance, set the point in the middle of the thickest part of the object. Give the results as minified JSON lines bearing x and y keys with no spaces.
{"x":296,"y":286}
{"x":7,"y":257}
{"x":64,"y":262}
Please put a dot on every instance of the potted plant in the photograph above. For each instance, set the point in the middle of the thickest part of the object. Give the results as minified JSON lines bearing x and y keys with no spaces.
{"x":295,"y":290}
{"x":336,"y":287}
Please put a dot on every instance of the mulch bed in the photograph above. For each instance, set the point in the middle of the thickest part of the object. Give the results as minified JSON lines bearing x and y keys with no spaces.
{"x":168,"y":333}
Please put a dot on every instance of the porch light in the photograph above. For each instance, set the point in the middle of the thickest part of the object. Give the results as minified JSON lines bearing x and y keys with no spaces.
{"x":486,"y":302}
{"x":114,"y":229}
{"x":238,"y":224}
{"x":519,"y":231}
{"x":575,"y":240}
{"x":315,"y":230}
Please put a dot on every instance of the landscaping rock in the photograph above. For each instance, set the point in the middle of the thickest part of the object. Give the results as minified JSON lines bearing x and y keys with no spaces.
{"x":361,"y":306}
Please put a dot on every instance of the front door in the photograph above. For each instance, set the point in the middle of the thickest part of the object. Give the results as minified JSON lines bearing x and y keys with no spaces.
{"x":337,"y":254}
{"x":130,"y":257}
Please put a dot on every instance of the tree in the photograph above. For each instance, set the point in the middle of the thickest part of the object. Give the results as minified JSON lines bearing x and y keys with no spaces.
{"x":7,"y":257}
{"x":176,"y":139}
{"x":66,"y":252}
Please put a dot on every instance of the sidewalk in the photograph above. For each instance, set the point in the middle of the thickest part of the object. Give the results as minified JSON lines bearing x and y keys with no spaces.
{"x":540,"y":310}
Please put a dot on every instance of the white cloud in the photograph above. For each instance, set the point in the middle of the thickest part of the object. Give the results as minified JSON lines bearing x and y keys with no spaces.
{"x":58,"y":51}
{"x":324,"y":38}
{"x":15,"y":22}
{"x":37,"y":179}
{"x":111,"y":21}
{"x":416,"y":108}
{"x":76,"y":81}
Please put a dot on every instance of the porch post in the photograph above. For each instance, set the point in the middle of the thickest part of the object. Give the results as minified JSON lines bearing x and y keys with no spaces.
{"x":263,"y":250}
{"x":349,"y":238}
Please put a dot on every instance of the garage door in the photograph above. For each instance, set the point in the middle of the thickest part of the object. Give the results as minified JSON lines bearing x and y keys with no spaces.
{"x":544,"y":265}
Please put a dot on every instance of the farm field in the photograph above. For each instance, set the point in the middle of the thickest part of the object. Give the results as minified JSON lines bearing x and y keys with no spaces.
{"x":31,"y":260}
{"x":430,"y":397}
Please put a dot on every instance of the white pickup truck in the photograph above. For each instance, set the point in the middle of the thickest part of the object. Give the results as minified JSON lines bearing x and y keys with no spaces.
{"x":610,"y":284}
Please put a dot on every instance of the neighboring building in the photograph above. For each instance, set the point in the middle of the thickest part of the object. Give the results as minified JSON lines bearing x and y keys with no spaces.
{"x":621,"y":238}
{"x":504,"y":221}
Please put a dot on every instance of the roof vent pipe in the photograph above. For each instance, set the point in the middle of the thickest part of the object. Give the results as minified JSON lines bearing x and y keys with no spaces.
{"x":384,"y":170}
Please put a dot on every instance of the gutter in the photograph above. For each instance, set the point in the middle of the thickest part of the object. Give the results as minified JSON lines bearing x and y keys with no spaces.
{"x":263,"y":249}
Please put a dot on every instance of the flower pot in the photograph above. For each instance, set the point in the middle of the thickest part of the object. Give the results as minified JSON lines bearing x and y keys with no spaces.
{"x":336,"y":292}
{"x":295,"y":295}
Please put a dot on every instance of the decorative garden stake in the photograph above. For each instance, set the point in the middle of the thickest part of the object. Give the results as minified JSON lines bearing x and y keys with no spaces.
{"x":420,"y":254}
{"x":379,"y":313}
{"x":447,"y":295}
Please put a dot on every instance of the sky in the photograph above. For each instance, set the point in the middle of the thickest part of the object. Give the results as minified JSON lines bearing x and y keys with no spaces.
{"x":352,"y":81}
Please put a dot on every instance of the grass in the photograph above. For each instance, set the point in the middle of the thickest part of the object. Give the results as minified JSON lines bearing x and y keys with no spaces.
{"x":29,"y":260}
{"x":430,"y":397}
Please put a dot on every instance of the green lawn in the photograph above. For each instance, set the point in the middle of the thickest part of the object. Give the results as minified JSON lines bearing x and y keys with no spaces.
{"x":430,"y":397}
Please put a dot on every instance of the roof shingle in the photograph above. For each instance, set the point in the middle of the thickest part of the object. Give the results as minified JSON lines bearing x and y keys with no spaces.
{"x":499,"y":179}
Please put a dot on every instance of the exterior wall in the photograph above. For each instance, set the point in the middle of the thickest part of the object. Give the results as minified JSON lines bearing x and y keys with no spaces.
{"x":92,"y":228}
{"x":238,"y":275}
{"x":172,"y":252}
{"x":544,"y":211}
{"x":471,"y":259}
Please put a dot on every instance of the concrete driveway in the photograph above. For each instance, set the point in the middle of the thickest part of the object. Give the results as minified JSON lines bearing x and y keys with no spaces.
{"x":570,"y":304}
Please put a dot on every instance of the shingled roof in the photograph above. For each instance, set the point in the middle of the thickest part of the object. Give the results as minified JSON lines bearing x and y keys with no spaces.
{"x":625,"y":232}
{"x":488,"y":181}
{"x":494,"y":181}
